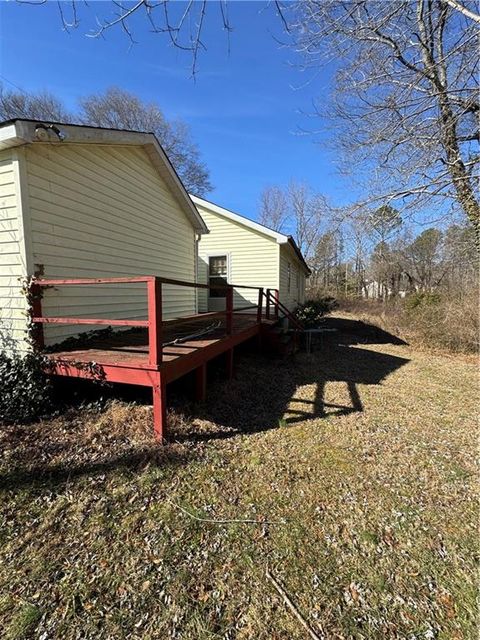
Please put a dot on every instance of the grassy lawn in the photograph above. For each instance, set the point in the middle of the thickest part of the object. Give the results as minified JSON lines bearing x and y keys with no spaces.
{"x":348,"y":474}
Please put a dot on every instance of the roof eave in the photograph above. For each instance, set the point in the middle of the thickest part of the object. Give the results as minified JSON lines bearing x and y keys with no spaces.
{"x":236,"y":217}
{"x":196,"y":219}
{"x":13,"y":134}
{"x":280,"y":238}
{"x":299,"y":254}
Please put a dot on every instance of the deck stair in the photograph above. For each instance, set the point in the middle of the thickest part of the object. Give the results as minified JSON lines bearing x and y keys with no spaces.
{"x":281,"y":338}
{"x":278,"y":341}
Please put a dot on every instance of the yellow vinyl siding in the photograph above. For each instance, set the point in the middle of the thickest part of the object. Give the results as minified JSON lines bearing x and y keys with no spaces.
{"x":104,"y":211}
{"x":296,"y":295}
{"x":13,"y":323}
{"x":252,"y":257}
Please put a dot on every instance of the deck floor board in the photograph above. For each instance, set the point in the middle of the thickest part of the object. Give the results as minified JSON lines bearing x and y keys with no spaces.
{"x":130,"y":348}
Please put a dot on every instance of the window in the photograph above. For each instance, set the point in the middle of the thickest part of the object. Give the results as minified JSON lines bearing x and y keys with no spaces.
{"x":217,"y":274}
{"x":289,"y":277}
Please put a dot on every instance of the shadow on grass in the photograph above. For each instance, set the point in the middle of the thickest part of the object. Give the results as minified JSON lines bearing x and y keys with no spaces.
{"x":359,"y":332}
{"x":49,"y":475}
{"x":267,"y":393}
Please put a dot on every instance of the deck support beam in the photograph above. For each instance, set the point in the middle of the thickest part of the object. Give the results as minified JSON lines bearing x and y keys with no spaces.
{"x":201,"y":383}
{"x":276,"y":299}
{"x":160,"y":409}
{"x":260,"y":305}
{"x":229,"y":310}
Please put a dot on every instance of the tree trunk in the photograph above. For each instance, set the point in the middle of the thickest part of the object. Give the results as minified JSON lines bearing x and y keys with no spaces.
{"x":436,"y":73}
{"x":456,"y":167}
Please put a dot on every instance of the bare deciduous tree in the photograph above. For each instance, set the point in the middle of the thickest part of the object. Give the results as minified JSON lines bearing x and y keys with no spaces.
{"x":465,"y":9}
{"x":273,"y":208}
{"x":182,"y":23}
{"x":295,"y":209}
{"x":118,"y":109}
{"x":308,"y":209}
{"x":45,"y":106}
{"x":406,"y":100}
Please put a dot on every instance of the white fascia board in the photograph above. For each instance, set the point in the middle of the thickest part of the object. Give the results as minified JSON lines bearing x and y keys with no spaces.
{"x":236,"y":217}
{"x":11,"y":135}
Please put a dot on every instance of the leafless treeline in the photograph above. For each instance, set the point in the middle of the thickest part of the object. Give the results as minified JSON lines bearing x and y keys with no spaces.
{"x":375,"y":254}
{"x":425,"y":261}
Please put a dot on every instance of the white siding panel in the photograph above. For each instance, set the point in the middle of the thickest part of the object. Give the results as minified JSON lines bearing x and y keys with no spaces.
{"x":103,"y":211}
{"x":12,"y":263}
{"x":253,"y":257}
{"x":295,"y":294}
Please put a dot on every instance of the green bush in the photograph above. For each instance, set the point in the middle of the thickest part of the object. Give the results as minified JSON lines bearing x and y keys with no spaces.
{"x":311,"y":312}
{"x":421,"y":299}
{"x":25,"y":389}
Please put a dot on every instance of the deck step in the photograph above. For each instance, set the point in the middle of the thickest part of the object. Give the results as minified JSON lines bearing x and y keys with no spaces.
{"x":278,"y":342}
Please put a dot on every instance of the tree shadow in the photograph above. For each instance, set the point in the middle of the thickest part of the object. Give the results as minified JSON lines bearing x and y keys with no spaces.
{"x":359,"y":332}
{"x":265,"y":394}
{"x":270,"y":393}
{"x":55,"y":452}
{"x":48,"y":475}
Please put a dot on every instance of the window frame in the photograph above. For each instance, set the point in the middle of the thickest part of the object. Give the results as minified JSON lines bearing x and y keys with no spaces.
{"x":217,"y":254}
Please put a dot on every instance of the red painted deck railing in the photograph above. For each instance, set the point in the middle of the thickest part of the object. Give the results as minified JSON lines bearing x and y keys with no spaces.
{"x":272,"y":299}
{"x":155,"y":321}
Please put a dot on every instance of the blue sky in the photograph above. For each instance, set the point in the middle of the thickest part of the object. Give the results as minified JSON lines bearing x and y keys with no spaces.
{"x":245,"y":108}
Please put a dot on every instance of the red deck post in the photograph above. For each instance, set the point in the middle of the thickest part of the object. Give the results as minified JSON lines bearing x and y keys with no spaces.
{"x":36,"y":310}
{"x":275,"y":296}
{"x":154,"y":290}
{"x":160,"y":408}
{"x":267,"y":312}
{"x":201,"y":383}
{"x":260,"y":305}
{"x":229,"y":310}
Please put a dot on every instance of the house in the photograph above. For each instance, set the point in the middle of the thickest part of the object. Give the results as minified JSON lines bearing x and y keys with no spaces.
{"x":238,"y":250}
{"x":102,"y":228}
{"x":399,"y":288}
{"x":86,"y":202}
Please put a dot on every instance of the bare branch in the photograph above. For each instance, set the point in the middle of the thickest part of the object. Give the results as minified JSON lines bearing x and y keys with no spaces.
{"x":406,"y":95}
{"x":455,"y":4}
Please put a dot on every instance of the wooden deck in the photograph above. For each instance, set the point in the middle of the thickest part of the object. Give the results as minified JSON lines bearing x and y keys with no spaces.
{"x":182,"y":351}
{"x":156,"y":351}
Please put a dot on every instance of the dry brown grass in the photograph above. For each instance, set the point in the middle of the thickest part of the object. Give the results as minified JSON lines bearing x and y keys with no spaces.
{"x":451,"y":324}
{"x":357,"y":464}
